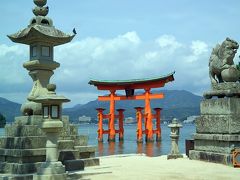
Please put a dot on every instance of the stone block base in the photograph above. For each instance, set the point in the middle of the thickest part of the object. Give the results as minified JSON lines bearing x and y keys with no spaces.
{"x":211,"y":157}
{"x":174,"y":156}
{"x":22,"y":155}
{"x":51,"y":171}
{"x":65,"y":144}
{"x":74,"y":165}
{"x":91,"y":162}
{"x":16,"y":177}
{"x":68,"y":155}
{"x":50,"y":177}
{"x":86,"y":151}
{"x":219,"y":143}
{"x":16,"y":168}
{"x":218,"y":124}
{"x":220,"y":106}
{"x":25,"y":142}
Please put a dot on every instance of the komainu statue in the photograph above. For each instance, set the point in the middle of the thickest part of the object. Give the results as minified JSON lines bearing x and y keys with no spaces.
{"x":221,"y":65}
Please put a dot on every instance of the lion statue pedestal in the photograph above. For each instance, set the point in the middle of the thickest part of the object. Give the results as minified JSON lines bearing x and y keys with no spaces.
{"x":218,"y":127}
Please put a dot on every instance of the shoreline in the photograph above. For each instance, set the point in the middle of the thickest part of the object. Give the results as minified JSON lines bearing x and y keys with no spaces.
{"x":140,"y":166}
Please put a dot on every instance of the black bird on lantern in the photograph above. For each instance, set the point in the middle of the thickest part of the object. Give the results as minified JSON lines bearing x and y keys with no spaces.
{"x":74,"y":31}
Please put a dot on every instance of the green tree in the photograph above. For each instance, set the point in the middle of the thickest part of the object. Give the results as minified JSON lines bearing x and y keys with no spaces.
{"x":2,"y":121}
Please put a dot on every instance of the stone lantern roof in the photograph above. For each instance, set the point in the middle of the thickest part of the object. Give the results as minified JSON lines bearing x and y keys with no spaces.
{"x":41,"y":29}
{"x":175,"y":124}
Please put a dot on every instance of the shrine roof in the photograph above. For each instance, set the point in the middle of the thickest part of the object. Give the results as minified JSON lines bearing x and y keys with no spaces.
{"x":133,"y":83}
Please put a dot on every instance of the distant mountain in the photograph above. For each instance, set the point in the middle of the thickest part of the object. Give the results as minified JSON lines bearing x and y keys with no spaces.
{"x":176,"y":103}
{"x":9,"y":109}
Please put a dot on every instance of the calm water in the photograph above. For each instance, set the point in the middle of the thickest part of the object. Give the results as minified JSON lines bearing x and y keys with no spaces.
{"x":129,"y":144}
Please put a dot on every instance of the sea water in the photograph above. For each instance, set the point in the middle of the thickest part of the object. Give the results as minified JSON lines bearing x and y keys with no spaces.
{"x":129,"y":145}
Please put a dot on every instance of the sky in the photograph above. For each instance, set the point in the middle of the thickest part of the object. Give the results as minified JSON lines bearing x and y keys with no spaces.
{"x":120,"y":39}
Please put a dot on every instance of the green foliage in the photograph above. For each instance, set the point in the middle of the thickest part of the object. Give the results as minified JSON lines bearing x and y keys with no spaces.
{"x":2,"y":121}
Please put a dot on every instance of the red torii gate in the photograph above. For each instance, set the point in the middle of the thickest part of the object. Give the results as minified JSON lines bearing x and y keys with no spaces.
{"x":129,"y":86}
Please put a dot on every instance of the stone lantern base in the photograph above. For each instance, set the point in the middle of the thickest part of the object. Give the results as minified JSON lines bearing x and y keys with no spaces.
{"x":22,"y":149}
{"x":51,"y":171}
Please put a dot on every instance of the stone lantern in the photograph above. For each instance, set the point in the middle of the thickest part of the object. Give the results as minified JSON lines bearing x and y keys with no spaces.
{"x":51,"y":125}
{"x":41,"y":36}
{"x":175,"y":127}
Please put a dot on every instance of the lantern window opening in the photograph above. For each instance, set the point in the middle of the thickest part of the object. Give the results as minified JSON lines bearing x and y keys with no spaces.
{"x":34,"y":21}
{"x":55,"y":114}
{"x":45,"y":111}
{"x":45,"y":21}
{"x":45,"y":51}
{"x":34,"y":51}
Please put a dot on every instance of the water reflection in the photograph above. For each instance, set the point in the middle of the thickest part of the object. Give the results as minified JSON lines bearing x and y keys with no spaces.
{"x":100,"y":149}
{"x":120,"y":147}
{"x":129,"y":145}
{"x":111,"y":148}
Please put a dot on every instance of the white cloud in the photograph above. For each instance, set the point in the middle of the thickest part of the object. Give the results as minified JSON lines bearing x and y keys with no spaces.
{"x":168,"y":41}
{"x":132,"y":37}
{"x":11,"y":60}
{"x":151,"y":55}
{"x":124,"y":57}
{"x":199,"y":47}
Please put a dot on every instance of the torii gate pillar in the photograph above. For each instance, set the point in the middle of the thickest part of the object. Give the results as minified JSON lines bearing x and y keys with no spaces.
{"x":112,"y":132}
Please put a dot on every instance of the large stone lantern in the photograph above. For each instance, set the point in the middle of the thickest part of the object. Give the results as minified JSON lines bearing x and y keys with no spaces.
{"x":51,"y":125}
{"x":175,"y":127}
{"x":42,"y":37}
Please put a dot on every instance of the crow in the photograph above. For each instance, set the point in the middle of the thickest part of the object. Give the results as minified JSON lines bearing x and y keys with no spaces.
{"x":74,"y":31}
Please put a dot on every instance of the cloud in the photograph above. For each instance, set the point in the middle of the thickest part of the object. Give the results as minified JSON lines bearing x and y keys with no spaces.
{"x":125,"y":56}
{"x":168,"y":41}
{"x":199,"y":47}
{"x":11,"y":71}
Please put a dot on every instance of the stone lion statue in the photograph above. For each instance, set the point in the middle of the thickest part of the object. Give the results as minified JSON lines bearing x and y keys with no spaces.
{"x":221,"y":65}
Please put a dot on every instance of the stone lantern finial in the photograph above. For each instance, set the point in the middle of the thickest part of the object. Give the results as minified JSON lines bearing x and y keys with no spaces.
{"x":40,"y":10}
{"x":40,"y":3}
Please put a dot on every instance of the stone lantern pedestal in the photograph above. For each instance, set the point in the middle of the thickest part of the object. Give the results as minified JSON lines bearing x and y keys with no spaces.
{"x":175,"y":126}
{"x":51,"y":125}
{"x":52,"y":168}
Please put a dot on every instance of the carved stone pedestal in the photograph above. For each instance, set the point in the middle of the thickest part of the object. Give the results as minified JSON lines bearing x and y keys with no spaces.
{"x":217,"y":130}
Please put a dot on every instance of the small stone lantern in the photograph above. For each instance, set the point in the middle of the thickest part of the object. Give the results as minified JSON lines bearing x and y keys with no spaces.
{"x":175,"y":127}
{"x":51,"y":125}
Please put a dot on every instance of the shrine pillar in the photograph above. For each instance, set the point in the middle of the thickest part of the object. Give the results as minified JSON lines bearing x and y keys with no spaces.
{"x":139,"y":124}
{"x":111,"y":135}
{"x":148,"y":117}
{"x":100,"y":124}
{"x":120,"y":123}
{"x":158,"y":123}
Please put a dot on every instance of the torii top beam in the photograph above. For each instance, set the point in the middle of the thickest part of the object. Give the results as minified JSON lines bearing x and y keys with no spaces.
{"x":132,"y":84}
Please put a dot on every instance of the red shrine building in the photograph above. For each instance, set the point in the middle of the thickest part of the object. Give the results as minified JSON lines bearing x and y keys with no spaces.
{"x":144,"y":115}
